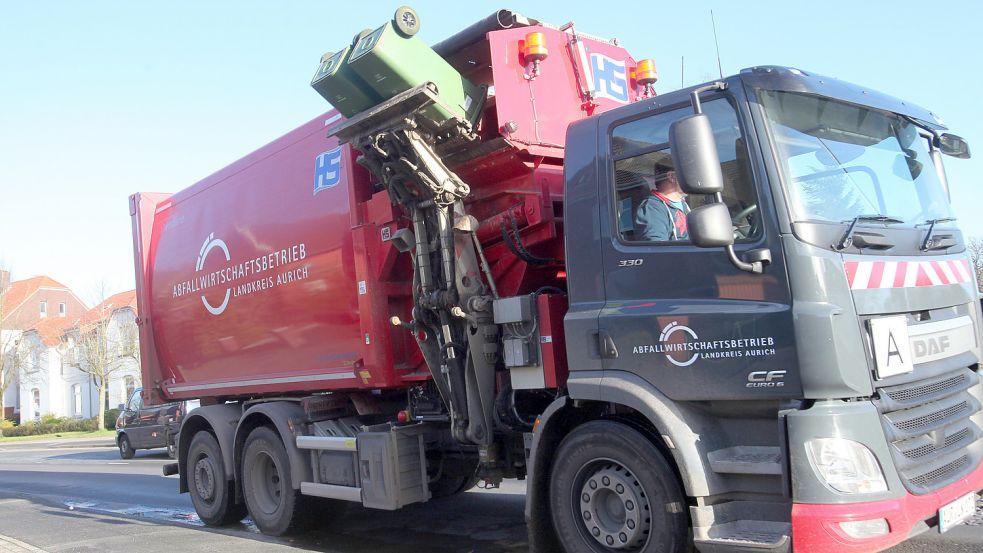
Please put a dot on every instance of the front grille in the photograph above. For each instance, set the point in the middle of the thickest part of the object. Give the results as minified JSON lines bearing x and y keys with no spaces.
{"x":934,"y":441}
{"x":933,"y":419}
{"x":946,"y":473}
{"x":927,"y":391}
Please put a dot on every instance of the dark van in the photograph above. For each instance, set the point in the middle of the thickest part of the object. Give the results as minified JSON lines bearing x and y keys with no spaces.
{"x":142,"y":426}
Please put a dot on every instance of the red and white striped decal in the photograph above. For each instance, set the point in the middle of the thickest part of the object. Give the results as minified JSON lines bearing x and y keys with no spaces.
{"x":866,"y":275}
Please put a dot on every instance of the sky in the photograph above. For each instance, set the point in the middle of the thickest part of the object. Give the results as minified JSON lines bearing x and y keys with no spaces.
{"x":101,"y":99}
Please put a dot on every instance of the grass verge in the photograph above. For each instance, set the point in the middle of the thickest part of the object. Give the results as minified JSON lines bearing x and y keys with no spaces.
{"x":60,"y":436}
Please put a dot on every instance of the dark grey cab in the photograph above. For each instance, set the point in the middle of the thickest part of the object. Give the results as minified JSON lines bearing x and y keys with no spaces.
{"x":142,"y":426}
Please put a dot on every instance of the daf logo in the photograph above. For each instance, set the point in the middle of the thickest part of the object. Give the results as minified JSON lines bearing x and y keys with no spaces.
{"x":766,"y":379}
{"x":930,"y":346}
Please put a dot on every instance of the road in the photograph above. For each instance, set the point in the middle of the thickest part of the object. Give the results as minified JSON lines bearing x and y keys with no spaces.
{"x":94,"y":481}
{"x":81,"y":499}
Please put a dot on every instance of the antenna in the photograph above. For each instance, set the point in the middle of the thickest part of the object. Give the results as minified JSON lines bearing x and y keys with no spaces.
{"x":714,"y":23}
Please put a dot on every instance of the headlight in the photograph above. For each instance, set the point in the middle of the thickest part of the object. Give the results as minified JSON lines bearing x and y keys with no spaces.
{"x":845,"y":465}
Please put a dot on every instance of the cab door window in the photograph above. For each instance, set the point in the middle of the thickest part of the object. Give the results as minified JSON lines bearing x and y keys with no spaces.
{"x":650,"y":207}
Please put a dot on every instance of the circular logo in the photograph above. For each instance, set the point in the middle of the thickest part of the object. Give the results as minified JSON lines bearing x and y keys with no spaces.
{"x":210,"y":244}
{"x":667,"y":332}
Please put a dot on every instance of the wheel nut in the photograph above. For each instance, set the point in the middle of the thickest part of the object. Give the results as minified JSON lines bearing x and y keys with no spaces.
{"x":596,"y":531}
{"x":586,"y":498}
{"x":619,"y":488}
{"x":629,"y":505}
{"x":631,"y":524}
{"x":610,"y":540}
{"x":623,"y":537}
{"x":606,"y":481}
{"x":593,"y":484}
{"x":586,"y":515}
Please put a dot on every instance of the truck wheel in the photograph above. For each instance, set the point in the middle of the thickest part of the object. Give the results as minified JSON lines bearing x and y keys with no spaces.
{"x":406,"y":21}
{"x":612,"y":490}
{"x":273,"y":503}
{"x":447,"y":486}
{"x":126,"y":450}
{"x":211,"y":491}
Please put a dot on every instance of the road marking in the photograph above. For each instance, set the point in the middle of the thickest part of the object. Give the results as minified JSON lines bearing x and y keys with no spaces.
{"x":11,"y":545}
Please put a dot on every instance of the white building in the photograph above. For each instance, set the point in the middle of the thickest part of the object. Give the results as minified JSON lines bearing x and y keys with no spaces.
{"x":54,"y":380}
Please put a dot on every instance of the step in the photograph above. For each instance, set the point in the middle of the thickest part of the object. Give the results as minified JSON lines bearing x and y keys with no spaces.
{"x":744,"y":535}
{"x":747,"y":459}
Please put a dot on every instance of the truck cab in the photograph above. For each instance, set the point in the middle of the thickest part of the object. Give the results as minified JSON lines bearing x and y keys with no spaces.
{"x":818,"y":386}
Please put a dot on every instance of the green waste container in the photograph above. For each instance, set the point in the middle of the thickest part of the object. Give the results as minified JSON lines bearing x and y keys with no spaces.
{"x":341,"y":86}
{"x":390,"y":63}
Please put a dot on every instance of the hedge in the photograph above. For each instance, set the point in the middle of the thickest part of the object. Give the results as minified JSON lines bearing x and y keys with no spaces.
{"x":52,"y":425}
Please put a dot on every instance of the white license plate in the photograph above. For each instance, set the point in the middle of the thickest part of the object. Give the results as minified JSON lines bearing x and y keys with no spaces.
{"x":957,"y":512}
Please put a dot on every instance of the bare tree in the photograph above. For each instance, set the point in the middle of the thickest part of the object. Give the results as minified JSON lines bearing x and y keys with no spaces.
{"x":976,"y":258}
{"x":102,"y":346}
{"x":11,"y":355}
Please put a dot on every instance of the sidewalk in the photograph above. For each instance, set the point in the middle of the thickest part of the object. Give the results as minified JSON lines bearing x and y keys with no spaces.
{"x":29,"y":527}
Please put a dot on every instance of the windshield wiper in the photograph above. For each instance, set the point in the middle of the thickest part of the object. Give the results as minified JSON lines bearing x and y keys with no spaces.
{"x":847,"y":239}
{"x":928,"y":243}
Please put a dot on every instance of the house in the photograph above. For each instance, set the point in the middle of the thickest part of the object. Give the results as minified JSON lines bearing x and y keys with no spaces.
{"x":23,"y":305}
{"x":58,"y":353}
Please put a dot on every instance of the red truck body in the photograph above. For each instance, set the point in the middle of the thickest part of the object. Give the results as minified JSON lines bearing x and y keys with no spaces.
{"x":276,"y":274}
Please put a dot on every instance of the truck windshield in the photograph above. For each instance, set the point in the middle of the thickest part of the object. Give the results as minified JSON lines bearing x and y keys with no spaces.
{"x":841,"y":161}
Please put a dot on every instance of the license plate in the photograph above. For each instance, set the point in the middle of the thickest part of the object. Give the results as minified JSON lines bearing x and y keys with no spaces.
{"x":957,"y":512}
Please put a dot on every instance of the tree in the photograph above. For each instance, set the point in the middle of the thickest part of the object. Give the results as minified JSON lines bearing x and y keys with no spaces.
{"x":102,"y":344}
{"x":976,"y":258}
{"x":11,"y":354}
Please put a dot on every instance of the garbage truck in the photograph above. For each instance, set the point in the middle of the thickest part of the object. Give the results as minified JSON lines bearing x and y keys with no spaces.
{"x":452,"y":276}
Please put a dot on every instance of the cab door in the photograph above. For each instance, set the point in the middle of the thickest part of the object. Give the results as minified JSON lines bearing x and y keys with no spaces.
{"x":685,"y":318}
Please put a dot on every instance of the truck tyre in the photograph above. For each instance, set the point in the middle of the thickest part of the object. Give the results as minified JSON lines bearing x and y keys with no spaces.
{"x":276,"y":508}
{"x":126,"y":450}
{"x":612,"y":490}
{"x":211,"y":490}
{"x":448,"y":485}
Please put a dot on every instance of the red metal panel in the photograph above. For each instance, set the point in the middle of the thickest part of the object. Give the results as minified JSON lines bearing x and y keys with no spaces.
{"x":252,"y":276}
{"x":552,"y":308}
{"x":543,"y":107}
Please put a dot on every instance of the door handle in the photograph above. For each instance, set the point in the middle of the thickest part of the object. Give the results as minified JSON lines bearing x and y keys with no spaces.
{"x":603,"y":345}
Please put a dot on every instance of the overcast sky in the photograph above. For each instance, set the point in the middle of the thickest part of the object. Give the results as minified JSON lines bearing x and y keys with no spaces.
{"x":102,"y":99}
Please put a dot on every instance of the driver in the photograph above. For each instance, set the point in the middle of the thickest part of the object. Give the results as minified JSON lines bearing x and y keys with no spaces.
{"x":662,"y":216}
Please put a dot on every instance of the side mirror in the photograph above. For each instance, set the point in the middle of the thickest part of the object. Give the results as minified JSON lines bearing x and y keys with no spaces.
{"x":710,"y":226}
{"x":955,"y":146}
{"x":694,"y":155}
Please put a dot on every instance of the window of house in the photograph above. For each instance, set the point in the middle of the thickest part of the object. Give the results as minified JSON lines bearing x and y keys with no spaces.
{"x":77,"y":400}
{"x":61,"y":309}
{"x":649,"y":205}
{"x":36,"y":401}
{"x":44,"y":309}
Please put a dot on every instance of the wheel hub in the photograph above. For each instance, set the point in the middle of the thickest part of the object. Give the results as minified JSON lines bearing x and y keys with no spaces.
{"x":614,"y":508}
{"x":205,"y":479}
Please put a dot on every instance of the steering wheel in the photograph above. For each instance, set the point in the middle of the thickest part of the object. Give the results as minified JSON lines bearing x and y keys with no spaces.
{"x":744,"y":225}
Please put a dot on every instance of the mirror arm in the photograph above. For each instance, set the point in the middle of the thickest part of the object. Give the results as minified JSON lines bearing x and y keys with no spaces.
{"x":755,"y":267}
{"x":695,"y":95}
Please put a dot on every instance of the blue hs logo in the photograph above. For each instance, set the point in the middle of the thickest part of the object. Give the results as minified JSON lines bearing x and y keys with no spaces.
{"x":610,"y":78}
{"x":327,"y":170}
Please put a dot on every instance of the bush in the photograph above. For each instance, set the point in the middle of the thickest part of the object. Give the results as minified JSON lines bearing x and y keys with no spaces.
{"x":111,"y":416}
{"x":6,"y":423}
{"x":36,"y":428}
{"x":53,"y":419}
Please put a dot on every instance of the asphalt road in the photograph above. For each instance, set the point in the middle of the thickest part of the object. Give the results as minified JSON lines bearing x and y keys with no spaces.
{"x":56,"y":498}
{"x":64,"y":482}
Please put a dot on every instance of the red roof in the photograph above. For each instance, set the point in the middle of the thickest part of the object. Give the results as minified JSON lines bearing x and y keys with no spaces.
{"x":110,"y":305}
{"x":51,"y":329}
{"x":21,"y":290}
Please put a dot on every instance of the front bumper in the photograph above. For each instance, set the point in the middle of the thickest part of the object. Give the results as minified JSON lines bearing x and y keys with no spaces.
{"x":816,"y":527}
